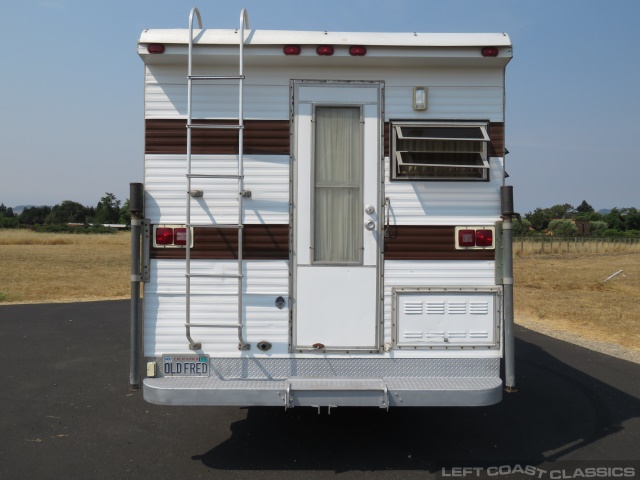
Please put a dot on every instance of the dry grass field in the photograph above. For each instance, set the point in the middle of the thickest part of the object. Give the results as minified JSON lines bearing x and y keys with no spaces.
{"x":561,"y":291}
{"x":46,"y":267}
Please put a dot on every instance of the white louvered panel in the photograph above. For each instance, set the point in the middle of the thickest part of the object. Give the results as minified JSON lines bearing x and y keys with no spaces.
{"x":445,"y":203}
{"x":413,"y":335}
{"x":457,"y":308}
{"x":406,"y":273}
{"x":435,"y":308}
{"x":478,"y":308}
{"x":453,"y":327}
{"x":215,"y":302}
{"x":413,"y":308}
{"x":266,"y":176}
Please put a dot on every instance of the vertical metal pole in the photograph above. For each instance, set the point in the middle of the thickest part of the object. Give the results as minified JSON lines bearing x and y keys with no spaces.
{"x":506,"y":193}
{"x":135,"y":199}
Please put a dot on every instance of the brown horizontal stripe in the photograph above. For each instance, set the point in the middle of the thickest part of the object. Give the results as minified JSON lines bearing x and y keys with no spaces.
{"x":266,"y":137}
{"x":271,"y":242}
{"x":259,"y":242}
{"x":496,"y":134}
{"x":412,"y":242}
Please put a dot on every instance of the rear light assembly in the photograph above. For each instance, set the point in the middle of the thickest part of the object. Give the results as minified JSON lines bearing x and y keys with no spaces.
{"x":292,"y":50}
{"x":475,"y":238}
{"x":490,"y":52}
{"x":324,"y":50}
{"x":155,"y":48}
{"x":171,"y":236}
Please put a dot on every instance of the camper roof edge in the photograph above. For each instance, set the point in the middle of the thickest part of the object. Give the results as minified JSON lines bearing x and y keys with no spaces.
{"x":282,"y":37}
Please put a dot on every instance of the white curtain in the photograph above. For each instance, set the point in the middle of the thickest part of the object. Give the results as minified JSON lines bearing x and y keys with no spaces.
{"x":338,"y":166}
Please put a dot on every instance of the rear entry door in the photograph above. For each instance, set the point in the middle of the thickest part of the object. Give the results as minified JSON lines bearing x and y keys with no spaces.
{"x":336,"y":174}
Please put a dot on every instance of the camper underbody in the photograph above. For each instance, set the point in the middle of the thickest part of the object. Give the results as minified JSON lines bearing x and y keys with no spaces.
{"x":325,"y":219}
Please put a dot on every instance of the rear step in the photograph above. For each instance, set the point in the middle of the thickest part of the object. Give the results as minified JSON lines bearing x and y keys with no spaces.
{"x":330,"y":392}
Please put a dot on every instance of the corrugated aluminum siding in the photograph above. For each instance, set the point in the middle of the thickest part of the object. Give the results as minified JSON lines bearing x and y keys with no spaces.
{"x":459,"y":93}
{"x":214,"y":300}
{"x":267,"y":176}
{"x":445,"y":203}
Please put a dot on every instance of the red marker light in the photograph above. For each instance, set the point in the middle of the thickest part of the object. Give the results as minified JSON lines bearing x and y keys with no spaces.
{"x":467,"y":238}
{"x":292,"y":50}
{"x":155,"y":48}
{"x":484,"y":238}
{"x":490,"y":52}
{"x":325,"y":50}
{"x":164,"y":236}
{"x":357,"y":51}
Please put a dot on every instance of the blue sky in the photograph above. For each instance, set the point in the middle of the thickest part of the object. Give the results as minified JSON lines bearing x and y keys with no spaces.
{"x":71,"y":122}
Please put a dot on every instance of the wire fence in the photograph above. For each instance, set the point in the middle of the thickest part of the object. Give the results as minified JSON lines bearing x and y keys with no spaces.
{"x":562,"y":245}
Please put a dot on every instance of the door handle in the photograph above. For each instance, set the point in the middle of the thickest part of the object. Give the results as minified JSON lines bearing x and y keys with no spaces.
{"x":369,"y":224}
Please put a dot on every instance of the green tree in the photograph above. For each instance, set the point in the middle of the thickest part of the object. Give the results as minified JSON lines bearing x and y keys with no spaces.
{"x":539,"y":219}
{"x":615,"y":219}
{"x":34,"y":215}
{"x":67,"y":212}
{"x":597,"y":228}
{"x":522,"y":227}
{"x":565,"y":210}
{"x":8,"y":222}
{"x":584,"y":207}
{"x":125,"y":213}
{"x":108,"y":209}
{"x":631,"y":218}
{"x":563,"y":228}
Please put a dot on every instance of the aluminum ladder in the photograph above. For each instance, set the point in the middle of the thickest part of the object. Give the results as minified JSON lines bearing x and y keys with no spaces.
{"x":239,"y":177}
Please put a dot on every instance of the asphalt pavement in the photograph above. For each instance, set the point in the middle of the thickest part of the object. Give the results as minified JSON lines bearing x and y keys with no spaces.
{"x":66,"y":412}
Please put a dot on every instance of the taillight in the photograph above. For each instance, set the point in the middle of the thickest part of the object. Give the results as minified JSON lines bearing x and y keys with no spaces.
{"x":292,"y":50}
{"x":171,"y":236}
{"x":357,"y":51}
{"x":155,"y":48}
{"x":490,"y":52}
{"x":164,"y":236}
{"x":325,"y":50}
{"x":484,"y":238}
{"x":475,"y":238}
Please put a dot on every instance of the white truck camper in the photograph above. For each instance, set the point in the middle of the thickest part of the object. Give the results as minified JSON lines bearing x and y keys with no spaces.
{"x":324,"y":219}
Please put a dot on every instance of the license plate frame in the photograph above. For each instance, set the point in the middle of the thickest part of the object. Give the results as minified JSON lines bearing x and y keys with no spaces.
{"x":185,"y":365}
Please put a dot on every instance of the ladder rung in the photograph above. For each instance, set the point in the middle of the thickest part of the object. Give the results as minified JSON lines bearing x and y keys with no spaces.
{"x":215,"y":77}
{"x":215,"y":127}
{"x":212,"y":275}
{"x":200,"y":175}
{"x":215,"y":225}
{"x":211,"y":325}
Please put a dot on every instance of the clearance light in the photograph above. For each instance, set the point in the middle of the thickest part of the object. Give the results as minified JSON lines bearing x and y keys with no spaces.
{"x":490,"y":52}
{"x":292,"y":50}
{"x":155,"y":48}
{"x":475,"y":238}
{"x":325,"y":50}
{"x":357,"y":51}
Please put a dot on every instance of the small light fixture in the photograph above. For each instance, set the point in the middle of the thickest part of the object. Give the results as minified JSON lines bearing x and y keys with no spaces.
{"x":419,"y":98}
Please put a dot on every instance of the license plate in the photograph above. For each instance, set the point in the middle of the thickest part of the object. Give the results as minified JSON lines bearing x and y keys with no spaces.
{"x":185,"y":365}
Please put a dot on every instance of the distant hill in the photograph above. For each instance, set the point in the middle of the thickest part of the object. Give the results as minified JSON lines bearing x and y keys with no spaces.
{"x":604,"y":211}
{"x":18,"y":210}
